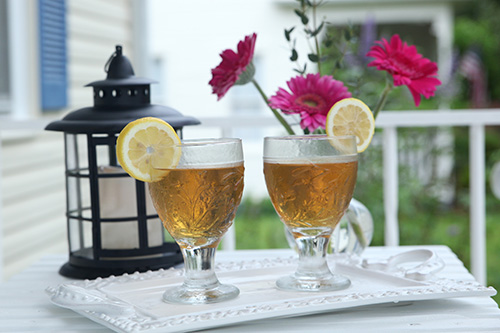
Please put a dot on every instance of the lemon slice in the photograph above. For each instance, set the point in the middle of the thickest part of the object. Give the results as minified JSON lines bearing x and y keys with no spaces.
{"x":350,"y":116}
{"x":143,"y":141}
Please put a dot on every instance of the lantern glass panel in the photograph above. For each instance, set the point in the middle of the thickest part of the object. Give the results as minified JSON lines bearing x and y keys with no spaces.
{"x":80,"y":237}
{"x":76,"y":151}
{"x":77,"y":182}
{"x":119,"y":235}
{"x":156,"y":232}
{"x":103,"y":156}
{"x":116,"y":195}
{"x":78,"y":197}
{"x":87,"y":235}
{"x":75,"y":235}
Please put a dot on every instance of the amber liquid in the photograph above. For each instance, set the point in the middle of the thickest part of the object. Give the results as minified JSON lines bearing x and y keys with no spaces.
{"x":197,"y":206}
{"x":311,"y":198}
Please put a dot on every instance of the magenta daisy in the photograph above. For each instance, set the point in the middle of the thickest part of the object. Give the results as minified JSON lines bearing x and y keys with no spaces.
{"x":233,"y":64}
{"x":311,"y":97}
{"x":406,"y":66}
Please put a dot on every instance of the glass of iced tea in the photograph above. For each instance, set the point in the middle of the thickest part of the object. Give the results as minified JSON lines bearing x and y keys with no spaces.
{"x":310,"y":180}
{"x":197,"y":202}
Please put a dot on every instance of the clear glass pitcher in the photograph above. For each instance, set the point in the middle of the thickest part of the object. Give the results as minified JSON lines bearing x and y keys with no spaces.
{"x":353,"y":234}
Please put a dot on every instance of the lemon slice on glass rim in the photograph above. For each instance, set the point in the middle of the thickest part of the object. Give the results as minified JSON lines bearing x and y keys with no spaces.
{"x":146,"y":140}
{"x":350,"y":116}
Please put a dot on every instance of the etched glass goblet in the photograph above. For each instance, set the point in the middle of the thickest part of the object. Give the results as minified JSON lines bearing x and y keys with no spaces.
{"x":311,"y":180}
{"x":197,"y":201}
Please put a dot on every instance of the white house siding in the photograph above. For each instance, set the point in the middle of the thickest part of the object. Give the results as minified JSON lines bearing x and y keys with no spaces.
{"x":94,"y":28}
{"x":33,"y":199}
{"x":32,"y":164}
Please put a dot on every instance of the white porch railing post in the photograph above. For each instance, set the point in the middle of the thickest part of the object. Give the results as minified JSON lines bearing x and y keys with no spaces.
{"x":229,"y":240}
{"x":477,"y":202}
{"x":390,"y":166}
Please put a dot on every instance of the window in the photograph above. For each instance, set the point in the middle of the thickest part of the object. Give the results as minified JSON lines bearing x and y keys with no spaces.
{"x":19,"y":21}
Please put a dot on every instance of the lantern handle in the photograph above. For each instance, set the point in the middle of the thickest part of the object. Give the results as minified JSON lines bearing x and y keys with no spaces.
{"x":118,"y":52}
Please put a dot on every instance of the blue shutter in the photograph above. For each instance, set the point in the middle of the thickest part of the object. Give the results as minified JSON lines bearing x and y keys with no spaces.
{"x":53,"y":54}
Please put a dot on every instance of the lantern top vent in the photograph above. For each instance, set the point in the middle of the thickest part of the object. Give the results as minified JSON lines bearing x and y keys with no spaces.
{"x":119,"y":72}
{"x":119,"y":99}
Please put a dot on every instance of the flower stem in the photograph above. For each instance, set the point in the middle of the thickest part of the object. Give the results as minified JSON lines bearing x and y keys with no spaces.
{"x":278,"y":116}
{"x":383,"y":99}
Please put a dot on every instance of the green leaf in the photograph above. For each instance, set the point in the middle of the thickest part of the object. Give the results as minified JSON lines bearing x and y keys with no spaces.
{"x":347,"y":34}
{"x":294,"y":55}
{"x":304,"y":19}
{"x":301,"y":71}
{"x":288,"y":32}
{"x":298,"y":71}
{"x":302,"y":16}
{"x":328,"y":40}
{"x":313,"y":57}
{"x":335,"y":64}
{"x":317,"y":31}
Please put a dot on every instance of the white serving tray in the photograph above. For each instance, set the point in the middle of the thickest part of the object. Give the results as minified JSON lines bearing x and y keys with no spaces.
{"x":133,"y":303}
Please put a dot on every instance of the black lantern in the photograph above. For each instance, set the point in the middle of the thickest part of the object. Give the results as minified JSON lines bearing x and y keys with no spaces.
{"x":112,"y":226}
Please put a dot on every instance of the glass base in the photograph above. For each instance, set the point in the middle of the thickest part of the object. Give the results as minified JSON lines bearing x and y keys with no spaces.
{"x":183,"y":295}
{"x":328,"y":283}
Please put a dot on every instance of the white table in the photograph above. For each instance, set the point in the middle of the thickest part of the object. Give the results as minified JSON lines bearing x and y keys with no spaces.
{"x":24,"y":306}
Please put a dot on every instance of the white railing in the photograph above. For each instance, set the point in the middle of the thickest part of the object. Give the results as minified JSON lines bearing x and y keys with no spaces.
{"x":476,"y":120}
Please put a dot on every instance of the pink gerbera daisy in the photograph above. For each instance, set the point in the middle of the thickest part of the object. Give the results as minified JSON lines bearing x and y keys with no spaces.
{"x":406,"y":66}
{"x":232,"y":66}
{"x":312,"y":97}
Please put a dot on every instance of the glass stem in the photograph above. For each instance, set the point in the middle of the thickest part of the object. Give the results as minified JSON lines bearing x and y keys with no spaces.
{"x":312,"y":257}
{"x":199,"y":268}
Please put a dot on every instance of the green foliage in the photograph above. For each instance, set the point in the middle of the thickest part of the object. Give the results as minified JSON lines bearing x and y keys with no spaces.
{"x":258,"y":226}
{"x":311,"y":29}
{"x":419,"y":199}
{"x":477,"y":26}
